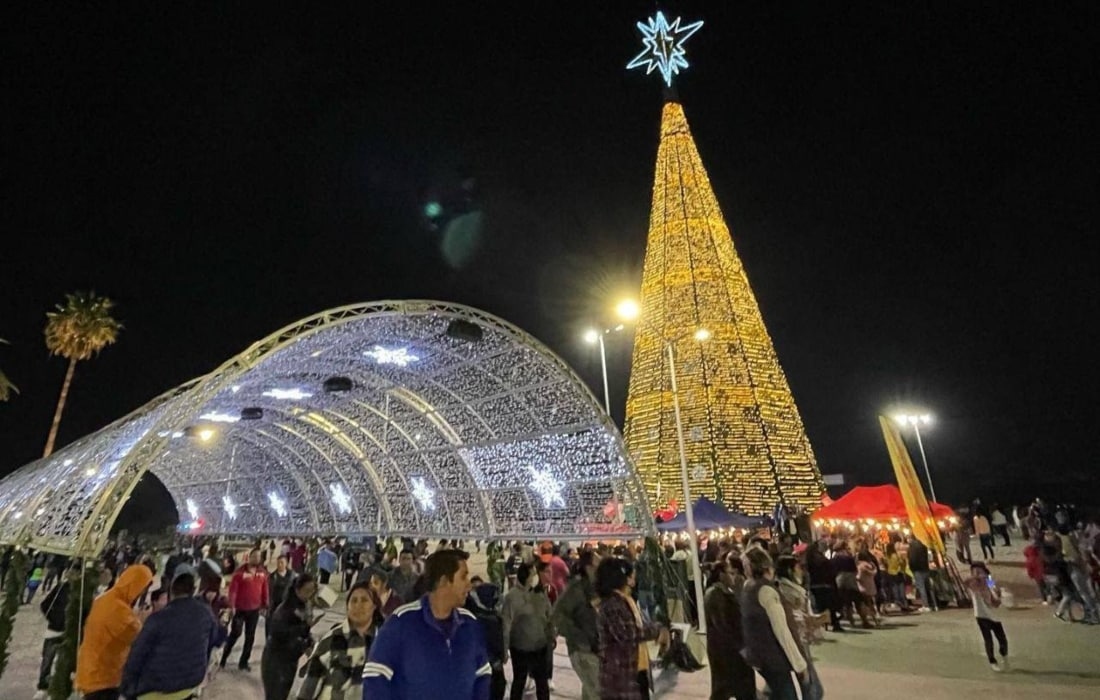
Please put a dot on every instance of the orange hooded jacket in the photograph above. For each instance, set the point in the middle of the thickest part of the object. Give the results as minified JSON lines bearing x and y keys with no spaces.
{"x":111,"y":628}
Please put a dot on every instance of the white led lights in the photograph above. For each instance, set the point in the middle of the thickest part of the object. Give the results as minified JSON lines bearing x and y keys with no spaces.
{"x":277,"y":504}
{"x":383,"y":356}
{"x":547,"y":487}
{"x":287,"y":394}
{"x":340,"y":498}
{"x":664,"y":46}
{"x":216,"y":417}
{"x":423,"y":495}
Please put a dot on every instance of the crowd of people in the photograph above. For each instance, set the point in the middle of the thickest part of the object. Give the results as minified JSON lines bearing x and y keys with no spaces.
{"x":163,"y":625}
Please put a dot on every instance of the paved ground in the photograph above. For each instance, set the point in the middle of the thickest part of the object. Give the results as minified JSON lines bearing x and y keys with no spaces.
{"x":929,"y":656}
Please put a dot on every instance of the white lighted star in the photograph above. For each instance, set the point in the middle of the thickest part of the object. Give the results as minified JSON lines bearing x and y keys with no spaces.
{"x":664,"y":46}
{"x":422,"y":493}
{"x":546,"y":486}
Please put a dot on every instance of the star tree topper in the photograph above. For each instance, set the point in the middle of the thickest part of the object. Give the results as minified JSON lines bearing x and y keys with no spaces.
{"x":664,"y":46}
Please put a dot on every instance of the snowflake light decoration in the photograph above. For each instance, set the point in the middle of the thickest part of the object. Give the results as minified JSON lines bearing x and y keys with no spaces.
{"x":546,"y":486}
{"x":340,"y":497}
{"x":424,"y":495}
{"x":230,"y":507}
{"x":383,"y":356}
{"x":216,"y":417}
{"x":192,"y":509}
{"x":277,"y":504}
{"x":664,"y":46}
{"x":287,"y":394}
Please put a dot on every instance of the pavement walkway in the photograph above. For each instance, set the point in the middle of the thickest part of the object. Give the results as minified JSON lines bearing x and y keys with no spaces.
{"x":930,"y":656}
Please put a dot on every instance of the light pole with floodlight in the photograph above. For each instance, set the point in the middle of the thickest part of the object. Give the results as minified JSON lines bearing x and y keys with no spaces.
{"x":627,"y":310}
{"x":915,"y":421}
{"x":700,"y":335}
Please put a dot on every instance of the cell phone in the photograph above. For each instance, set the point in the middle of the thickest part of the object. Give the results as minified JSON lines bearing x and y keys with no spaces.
{"x":989,"y":582}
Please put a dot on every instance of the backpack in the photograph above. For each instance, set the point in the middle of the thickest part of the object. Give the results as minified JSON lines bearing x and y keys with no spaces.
{"x":679,"y":655}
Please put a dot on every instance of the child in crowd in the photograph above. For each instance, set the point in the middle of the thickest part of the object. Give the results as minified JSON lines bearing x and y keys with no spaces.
{"x":37,"y":574}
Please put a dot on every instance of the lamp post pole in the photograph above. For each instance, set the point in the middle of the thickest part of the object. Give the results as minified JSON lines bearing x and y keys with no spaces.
{"x":923,"y":458}
{"x":693,"y":539}
{"x":915,"y":421}
{"x":603,"y":366}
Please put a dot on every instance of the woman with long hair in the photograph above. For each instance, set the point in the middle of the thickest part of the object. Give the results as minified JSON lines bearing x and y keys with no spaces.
{"x":770,"y":647}
{"x":290,"y":638}
{"x":624,"y":656}
{"x":335,"y":668}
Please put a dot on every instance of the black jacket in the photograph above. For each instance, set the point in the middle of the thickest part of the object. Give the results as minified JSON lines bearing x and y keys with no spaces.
{"x":575,"y":618}
{"x":918,"y":556}
{"x":279,"y":585}
{"x":290,"y":635}
{"x":53,"y":606}
{"x":482,"y":602}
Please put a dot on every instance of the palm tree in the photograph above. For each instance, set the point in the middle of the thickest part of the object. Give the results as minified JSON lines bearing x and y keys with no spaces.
{"x":6,"y":387}
{"x":77,"y":330}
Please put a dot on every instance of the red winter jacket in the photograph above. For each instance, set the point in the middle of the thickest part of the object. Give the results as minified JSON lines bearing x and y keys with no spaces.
{"x":248,"y":589}
{"x":1033,"y":563}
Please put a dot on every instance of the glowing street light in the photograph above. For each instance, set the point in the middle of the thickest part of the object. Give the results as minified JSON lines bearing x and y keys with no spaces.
{"x":914,"y":420}
{"x":700,"y":335}
{"x":627,"y":310}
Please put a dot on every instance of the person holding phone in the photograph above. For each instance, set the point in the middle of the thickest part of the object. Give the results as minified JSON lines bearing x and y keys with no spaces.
{"x":986,"y":597}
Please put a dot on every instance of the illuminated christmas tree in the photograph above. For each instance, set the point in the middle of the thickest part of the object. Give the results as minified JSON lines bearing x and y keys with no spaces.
{"x":743,"y":436}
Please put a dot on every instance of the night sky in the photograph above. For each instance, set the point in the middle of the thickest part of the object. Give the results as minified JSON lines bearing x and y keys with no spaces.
{"x":913,"y":192}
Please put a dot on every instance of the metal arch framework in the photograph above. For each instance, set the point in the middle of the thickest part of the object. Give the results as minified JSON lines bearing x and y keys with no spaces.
{"x":456,"y":424}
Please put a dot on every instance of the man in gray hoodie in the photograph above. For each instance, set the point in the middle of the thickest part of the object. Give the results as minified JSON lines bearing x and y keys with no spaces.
{"x":575,"y":618}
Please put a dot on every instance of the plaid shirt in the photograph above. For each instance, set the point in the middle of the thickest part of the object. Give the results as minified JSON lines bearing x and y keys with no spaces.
{"x":336,"y":666}
{"x":619,"y":640}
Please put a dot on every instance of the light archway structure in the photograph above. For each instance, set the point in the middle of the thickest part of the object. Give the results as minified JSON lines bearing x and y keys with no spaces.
{"x":418,"y":418}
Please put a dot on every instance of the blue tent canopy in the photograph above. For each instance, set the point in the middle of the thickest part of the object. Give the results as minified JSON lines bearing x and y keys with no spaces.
{"x":709,"y":516}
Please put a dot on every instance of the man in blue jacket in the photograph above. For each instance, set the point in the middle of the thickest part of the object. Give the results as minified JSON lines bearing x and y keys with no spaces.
{"x":432,"y":647}
{"x":170,"y":654}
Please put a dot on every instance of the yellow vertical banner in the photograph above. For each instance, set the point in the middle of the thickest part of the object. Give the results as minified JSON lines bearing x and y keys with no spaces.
{"x":920,"y":514}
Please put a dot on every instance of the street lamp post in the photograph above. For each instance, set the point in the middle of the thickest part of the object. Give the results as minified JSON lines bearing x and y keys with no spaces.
{"x":689,"y":510}
{"x":627,"y":310}
{"x":915,"y":421}
{"x":603,"y":368}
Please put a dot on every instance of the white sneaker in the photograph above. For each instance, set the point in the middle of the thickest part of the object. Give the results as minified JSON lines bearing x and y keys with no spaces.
{"x":996,"y":668}
{"x":926,"y":609}
{"x":40,"y":695}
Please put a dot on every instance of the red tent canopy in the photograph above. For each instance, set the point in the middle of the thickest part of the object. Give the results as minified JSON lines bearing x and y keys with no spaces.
{"x":875,"y":502}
